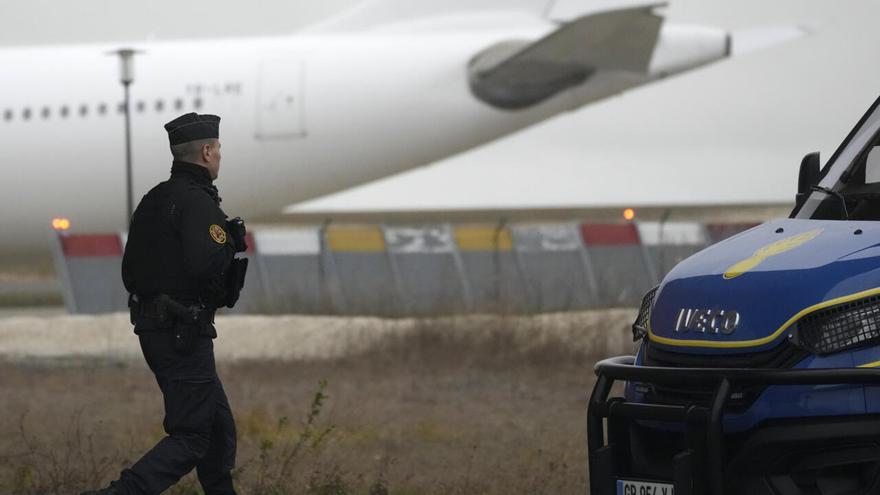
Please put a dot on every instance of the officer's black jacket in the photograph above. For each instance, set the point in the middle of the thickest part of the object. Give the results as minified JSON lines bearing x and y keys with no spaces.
{"x":177,"y":242}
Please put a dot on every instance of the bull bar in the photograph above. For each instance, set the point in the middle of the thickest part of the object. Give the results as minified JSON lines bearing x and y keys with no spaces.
{"x":700,"y":422}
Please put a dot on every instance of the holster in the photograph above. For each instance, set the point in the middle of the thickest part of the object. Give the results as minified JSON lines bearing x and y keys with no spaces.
{"x":235,"y":281}
{"x":152,"y":309}
{"x":186,"y":326}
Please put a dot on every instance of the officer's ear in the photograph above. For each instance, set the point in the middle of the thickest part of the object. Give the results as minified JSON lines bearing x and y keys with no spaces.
{"x":206,"y":152}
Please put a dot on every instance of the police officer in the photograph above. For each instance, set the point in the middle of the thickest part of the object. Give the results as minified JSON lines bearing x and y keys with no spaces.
{"x":179,"y":266}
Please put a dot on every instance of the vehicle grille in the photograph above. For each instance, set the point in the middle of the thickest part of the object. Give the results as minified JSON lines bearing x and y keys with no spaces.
{"x":845,"y":326}
{"x":640,"y":326}
{"x":782,"y":356}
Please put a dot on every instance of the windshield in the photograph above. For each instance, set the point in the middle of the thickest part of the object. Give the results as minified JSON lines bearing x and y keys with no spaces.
{"x":850,"y":184}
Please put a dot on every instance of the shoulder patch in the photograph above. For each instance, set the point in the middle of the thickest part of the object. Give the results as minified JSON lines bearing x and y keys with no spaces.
{"x":217,"y":233}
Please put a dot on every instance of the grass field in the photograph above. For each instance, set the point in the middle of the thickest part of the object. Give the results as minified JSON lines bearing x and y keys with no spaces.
{"x":478,"y":405}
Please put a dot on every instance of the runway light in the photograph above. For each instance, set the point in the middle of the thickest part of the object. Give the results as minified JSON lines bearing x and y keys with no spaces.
{"x":60,"y":223}
{"x":629,"y":214}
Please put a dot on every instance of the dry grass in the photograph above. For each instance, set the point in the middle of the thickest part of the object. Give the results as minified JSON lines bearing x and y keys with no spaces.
{"x":460,"y":405}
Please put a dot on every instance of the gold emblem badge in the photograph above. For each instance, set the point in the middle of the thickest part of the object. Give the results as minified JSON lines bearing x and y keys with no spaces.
{"x":217,"y":233}
{"x":769,"y":250}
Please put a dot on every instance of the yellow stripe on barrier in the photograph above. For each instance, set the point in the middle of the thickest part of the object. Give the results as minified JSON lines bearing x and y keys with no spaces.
{"x":355,"y":239}
{"x":483,"y":239}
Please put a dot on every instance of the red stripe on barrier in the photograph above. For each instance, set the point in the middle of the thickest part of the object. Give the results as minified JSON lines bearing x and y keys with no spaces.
{"x":251,"y":243}
{"x":609,"y":234}
{"x":91,"y":245}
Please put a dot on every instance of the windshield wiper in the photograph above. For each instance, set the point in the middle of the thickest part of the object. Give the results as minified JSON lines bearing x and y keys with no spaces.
{"x":837,"y":194}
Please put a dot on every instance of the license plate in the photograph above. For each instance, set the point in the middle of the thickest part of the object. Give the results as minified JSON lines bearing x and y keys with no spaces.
{"x":629,"y":487}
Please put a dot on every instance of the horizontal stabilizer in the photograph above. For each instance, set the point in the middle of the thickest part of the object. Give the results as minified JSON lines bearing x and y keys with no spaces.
{"x":519,"y":74}
{"x":749,"y":40}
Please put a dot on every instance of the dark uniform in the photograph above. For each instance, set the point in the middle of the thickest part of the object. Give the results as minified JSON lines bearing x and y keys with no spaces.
{"x":177,"y":264}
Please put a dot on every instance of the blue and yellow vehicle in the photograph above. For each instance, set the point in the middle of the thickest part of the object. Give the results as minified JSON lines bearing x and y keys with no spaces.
{"x":758,"y":370}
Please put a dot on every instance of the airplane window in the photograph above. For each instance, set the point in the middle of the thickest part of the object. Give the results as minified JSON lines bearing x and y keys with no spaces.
{"x":197,"y":103}
{"x":140,"y":106}
{"x":178,"y":104}
{"x":64,"y":111}
{"x":7,"y":115}
{"x":102,"y":109}
{"x":45,"y":113}
{"x":160,"y":105}
{"x":26,"y":114}
{"x":83,"y":110}
{"x":120,"y":107}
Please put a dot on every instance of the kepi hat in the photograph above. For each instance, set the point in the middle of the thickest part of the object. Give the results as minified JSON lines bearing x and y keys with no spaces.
{"x":192,"y":127}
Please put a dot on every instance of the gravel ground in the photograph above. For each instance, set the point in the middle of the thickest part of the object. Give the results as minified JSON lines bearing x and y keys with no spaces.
{"x":284,"y":338}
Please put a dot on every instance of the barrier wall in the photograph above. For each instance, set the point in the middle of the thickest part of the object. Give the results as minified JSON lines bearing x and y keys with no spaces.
{"x":89,"y":268}
{"x":621,"y":266}
{"x":428,"y":269}
{"x":419,"y":270}
{"x":556,"y":269}
{"x":356,"y":258}
{"x":290,"y":266}
{"x":669,"y":243}
{"x":719,"y":231}
{"x":491,"y":269}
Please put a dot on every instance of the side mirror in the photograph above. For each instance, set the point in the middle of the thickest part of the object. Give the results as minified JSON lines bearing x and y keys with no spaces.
{"x":808,"y":176}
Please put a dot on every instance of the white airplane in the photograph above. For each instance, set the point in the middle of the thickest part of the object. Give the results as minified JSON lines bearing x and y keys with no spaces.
{"x":385,"y":87}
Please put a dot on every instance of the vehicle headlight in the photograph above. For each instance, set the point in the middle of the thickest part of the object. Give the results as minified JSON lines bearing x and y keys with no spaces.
{"x":640,"y":326}
{"x":850,"y":325}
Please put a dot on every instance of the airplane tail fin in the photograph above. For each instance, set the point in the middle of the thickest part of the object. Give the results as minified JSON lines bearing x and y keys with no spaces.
{"x":372,"y":13}
{"x":519,"y":74}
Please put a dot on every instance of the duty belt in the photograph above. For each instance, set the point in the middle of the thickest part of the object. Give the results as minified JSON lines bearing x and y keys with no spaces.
{"x":166,"y":311}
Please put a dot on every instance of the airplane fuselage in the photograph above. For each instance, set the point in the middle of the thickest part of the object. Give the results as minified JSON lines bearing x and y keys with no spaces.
{"x":303,"y":115}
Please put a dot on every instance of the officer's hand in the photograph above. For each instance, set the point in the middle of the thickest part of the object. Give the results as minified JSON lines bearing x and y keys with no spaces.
{"x":237,"y":233}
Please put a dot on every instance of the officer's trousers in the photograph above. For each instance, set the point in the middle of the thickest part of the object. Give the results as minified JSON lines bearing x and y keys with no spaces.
{"x":198,"y":421}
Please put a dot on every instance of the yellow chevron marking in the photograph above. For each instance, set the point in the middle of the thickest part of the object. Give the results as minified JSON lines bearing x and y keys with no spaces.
{"x":769,"y":250}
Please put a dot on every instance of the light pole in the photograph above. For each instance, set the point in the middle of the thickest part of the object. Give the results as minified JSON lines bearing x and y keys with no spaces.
{"x":126,"y":77}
